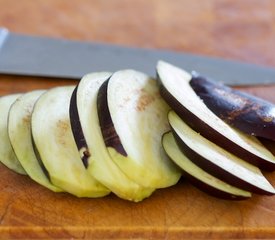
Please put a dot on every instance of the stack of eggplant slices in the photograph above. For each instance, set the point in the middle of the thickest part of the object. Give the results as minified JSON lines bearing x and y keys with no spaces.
{"x":130,"y":134}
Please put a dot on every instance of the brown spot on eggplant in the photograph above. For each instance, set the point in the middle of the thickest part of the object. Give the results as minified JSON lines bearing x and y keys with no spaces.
{"x":144,"y":101}
{"x":109,"y":133}
{"x":246,"y":112}
{"x":27,"y":119}
{"x":62,"y":125}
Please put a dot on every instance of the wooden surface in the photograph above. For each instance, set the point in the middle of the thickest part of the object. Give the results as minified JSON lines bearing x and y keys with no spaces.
{"x":239,"y":29}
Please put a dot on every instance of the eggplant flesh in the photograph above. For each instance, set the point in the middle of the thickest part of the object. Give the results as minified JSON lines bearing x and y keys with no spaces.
{"x":198,"y":177}
{"x":53,"y":138}
{"x":246,"y":112}
{"x":7,"y":154}
{"x":217,"y":161}
{"x":90,"y":142}
{"x":19,"y":129}
{"x":175,"y":88}
{"x":134,"y":117}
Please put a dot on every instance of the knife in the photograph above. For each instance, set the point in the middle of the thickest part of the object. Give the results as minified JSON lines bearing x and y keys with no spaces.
{"x":60,"y":58}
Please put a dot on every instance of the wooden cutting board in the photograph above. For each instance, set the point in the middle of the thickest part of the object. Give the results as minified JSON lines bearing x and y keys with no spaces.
{"x":28,"y":210}
{"x":231,"y":29}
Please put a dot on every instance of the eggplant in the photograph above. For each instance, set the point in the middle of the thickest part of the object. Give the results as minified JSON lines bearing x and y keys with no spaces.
{"x":198,"y":177}
{"x":133,"y":117}
{"x":174,"y":84}
{"x":88,"y":137}
{"x":7,"y":155}
{"x":19,"y":130}
{"x":217,"y":161}
{"x":244,"y":111}
{"x":54,"y":141}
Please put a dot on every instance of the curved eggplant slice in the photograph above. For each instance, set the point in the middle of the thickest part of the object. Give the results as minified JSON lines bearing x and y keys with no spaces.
{"x":19,"y":129}
{"x":176,"y":90}
{"x":53,"y":139}
{"x":246,"y":112}
{"x":217,"y":161}
{"x":7,"y":155}
{"x":198,"y":177}
{"x":133,"y":117}
{"x":89,"y":139}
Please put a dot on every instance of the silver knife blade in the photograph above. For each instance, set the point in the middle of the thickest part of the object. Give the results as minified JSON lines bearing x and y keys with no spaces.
{"x":60,"y":58}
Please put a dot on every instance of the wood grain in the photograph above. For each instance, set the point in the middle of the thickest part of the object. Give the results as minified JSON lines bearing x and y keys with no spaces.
{"x":240,"y":29}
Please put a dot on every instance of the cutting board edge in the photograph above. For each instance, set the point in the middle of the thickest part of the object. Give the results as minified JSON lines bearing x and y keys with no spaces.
{"x":158,"y":232}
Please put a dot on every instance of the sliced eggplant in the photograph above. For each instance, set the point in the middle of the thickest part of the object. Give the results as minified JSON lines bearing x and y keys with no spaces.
{"x":19,"y":129}
{"x":246,"y":112}
{"x":269,"y":144}
{"x":53,"y":139}
{"x":7,"y":155}
{"x":133,"y":117}
{"x":217,"y":161}
{"x":198,"y":177}
{"x":91,"y":146}
{"x":176,"y":90}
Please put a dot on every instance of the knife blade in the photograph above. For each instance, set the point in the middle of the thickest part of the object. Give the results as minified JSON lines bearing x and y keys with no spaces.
{"x":61,"y":58}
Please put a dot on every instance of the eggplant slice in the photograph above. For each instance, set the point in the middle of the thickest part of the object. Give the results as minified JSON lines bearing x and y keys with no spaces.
{"x":53,"y":139}
{"x":246,"y":112}
{"x":133,"y":117}
{"x":19,"y":129}
{"x":90,"y":142}
{"x":176,"y":90}
{"x":198,"y":177}
{"x":217,"y":161}
{"x":7,"y":155}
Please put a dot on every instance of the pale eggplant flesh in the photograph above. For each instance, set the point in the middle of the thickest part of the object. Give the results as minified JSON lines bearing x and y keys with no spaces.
{"x":244,"y":111}
{"x":90,"y":142}
{"x":7,"y":154}
{"x":174,"y":84}
{"x":54,"y":141}
{"x":19,"y":130}
{"x":217,"y":161}
{"x":133,"y":117}
{"x":198,"y":177}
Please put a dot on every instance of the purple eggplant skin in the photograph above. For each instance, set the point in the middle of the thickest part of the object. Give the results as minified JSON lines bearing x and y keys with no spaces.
{"x":208,"y":132}
{"x":216,"y":171}
{"x":207,"y":188}
{"x":77,"y":129}
{"x":40,"y":162}
{"x":210,"y":190}
{"x":243,"y":111}
{"x":109,"y":133}
{"x":269,"y":144}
